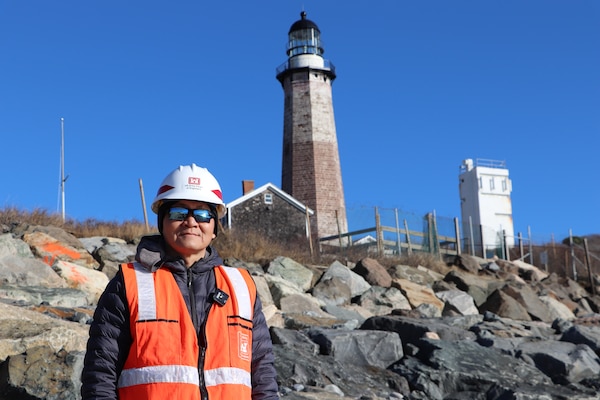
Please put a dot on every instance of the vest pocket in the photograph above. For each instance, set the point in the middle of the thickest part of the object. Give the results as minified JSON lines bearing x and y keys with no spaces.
{"x":240,"y":337}
{"x":159,"y":342}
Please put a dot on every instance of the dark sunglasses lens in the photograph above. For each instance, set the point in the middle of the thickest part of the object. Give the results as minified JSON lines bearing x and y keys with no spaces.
{"x":178,"y":214}
{"x":202,"y":215}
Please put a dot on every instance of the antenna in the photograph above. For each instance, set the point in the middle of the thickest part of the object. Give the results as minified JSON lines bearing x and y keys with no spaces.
{"x":62,"y":166}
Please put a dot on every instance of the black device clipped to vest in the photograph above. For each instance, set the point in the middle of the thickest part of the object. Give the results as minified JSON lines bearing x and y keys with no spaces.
{"x":220,"y":297}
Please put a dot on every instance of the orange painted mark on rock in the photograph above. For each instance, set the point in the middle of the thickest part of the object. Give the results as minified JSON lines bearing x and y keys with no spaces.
{"x":56,"y":249}
{"x":76,"y":276}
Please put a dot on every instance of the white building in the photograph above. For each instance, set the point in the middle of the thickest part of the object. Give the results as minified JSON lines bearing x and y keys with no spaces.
{"x":486,"y":207}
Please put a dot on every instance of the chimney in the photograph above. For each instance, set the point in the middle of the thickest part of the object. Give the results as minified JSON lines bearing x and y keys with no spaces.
{"x":247,"y":187}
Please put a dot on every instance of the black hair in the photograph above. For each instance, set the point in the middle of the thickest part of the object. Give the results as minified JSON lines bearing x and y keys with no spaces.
{"x":162,"y":211}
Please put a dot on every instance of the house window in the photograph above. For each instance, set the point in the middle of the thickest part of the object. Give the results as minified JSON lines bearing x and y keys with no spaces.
{"x":268,"y":198}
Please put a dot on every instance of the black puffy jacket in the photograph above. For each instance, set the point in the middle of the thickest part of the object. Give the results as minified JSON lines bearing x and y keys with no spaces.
{"x":110,"y":338}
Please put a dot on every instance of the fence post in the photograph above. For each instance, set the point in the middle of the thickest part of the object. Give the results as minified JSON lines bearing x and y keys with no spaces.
{"x":482,"y":241}
{"x":472,"y":236}
{"x":457,"y":233}
{"x":572,"y":255}
{"x":505,"y":245}
{"x":430,"y":238}
{"x":530,"y":245}
{"x":408,"y":237}
{"x":378,"y":233}
{"x":337,"y":220}
{"x":520,"y":246}
{"x":398,"y":233}
{"x":589,"y":265}
{"x":309,"y":231}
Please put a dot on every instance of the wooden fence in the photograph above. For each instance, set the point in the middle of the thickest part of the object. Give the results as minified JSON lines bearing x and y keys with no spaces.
{"x":405,"y":240}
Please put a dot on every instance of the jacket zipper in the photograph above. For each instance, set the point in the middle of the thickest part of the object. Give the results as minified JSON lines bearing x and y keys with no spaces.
{"x":201,"y":335}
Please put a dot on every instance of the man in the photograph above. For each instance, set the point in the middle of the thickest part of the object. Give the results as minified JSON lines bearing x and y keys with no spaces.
{"x":176,"y":324}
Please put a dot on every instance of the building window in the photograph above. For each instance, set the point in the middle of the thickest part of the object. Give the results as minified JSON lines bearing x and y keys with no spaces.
{"x":492,"y":186}
{"x":268,"y":198}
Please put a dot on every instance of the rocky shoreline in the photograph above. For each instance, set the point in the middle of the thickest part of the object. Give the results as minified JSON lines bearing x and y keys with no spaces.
{"x":479,"y":329}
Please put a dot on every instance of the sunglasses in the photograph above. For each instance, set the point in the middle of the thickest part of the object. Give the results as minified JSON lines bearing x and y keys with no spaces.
{"x":182,"y":213}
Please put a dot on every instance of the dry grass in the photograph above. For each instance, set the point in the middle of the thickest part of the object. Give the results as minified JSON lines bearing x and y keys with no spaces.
{"x":128,"y":230}
{"x":256,"y":248}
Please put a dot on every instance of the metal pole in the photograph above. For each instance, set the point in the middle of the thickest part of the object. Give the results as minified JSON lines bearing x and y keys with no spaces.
{"x":472,"y":237}
{"x":62,"y":167}
{"x":483,"y":255}
{"x":144,"y":206}
{"x":572,"y":255}
{"x":398,"y":233}
{"x":308,"y":231}
{"x":530,"y":245}
{"x":457,"y":233}
{"x":408,"y":237}
{"x":505,"y":245}
{"x":589,"y":265}
{"x":520,"y":246}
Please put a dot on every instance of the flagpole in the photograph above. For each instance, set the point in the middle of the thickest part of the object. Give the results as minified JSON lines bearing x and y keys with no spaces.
{"x":62,"y":166}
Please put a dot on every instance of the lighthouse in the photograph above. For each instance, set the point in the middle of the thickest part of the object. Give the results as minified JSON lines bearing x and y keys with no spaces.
{"x":486,"y":205}
{"x":311,"y":170}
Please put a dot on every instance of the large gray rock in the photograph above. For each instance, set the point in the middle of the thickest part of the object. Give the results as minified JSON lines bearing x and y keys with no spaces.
{"x":42,"y":373}
{"x":563,"y":362}
{"x":464,"y":370}
{"x":588,"y":335}
{"x":357,"y":284}
{"x":10,"y":246}
{"x":457,"y":301}
{"x":362,"y":348}
{"x":35,"y":295}
{"x":477,"y":288}
{"x":25,"y":271}
{"x":21,"y":330}
{"x":291,"y":271}
{"x":382,"y":301}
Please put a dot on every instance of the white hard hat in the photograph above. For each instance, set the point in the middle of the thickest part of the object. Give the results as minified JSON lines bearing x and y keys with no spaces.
{"x":190,"y":182}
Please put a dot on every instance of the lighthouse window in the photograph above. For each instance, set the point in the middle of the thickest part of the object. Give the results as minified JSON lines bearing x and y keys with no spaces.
{"x":268,"y":198}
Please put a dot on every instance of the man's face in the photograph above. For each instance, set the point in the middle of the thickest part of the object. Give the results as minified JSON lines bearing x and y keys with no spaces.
{"x":188,"y":238}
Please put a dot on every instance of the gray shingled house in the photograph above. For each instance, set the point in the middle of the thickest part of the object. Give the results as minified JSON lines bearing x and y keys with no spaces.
{"x":268,"y":211}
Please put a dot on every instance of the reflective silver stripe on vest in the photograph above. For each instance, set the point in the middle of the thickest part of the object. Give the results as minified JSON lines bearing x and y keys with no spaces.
{"x":223,"y":376}
{"x":146,"y":293}
{"x":159,"y":374}
{"x":242,"y":293}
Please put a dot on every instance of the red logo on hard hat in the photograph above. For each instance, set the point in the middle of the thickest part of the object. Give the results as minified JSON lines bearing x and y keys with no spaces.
{"x":218,"y":193}
{"x":164,"y":188}
{"x":193,"y":181}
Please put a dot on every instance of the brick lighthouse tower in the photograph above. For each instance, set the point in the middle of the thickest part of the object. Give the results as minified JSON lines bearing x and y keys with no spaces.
{"x":311,"y":169}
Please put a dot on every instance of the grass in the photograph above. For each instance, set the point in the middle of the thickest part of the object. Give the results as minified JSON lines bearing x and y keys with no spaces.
{"x":247,"y":246}
{"x":128,"y":230}
{"x":251,"y":247}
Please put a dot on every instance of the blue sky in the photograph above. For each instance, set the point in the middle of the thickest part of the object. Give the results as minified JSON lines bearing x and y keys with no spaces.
{"x":145,"y":86}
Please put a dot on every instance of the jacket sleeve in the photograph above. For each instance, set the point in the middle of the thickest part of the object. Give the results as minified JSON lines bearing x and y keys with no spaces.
{"x":108,"y":344}
{"x":264,"y":376}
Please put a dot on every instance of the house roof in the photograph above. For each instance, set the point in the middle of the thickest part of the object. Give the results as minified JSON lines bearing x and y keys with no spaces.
{"x":274,"y":189}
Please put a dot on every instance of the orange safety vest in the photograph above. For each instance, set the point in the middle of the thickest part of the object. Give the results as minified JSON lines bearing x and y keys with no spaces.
{"x":163,"y":360}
